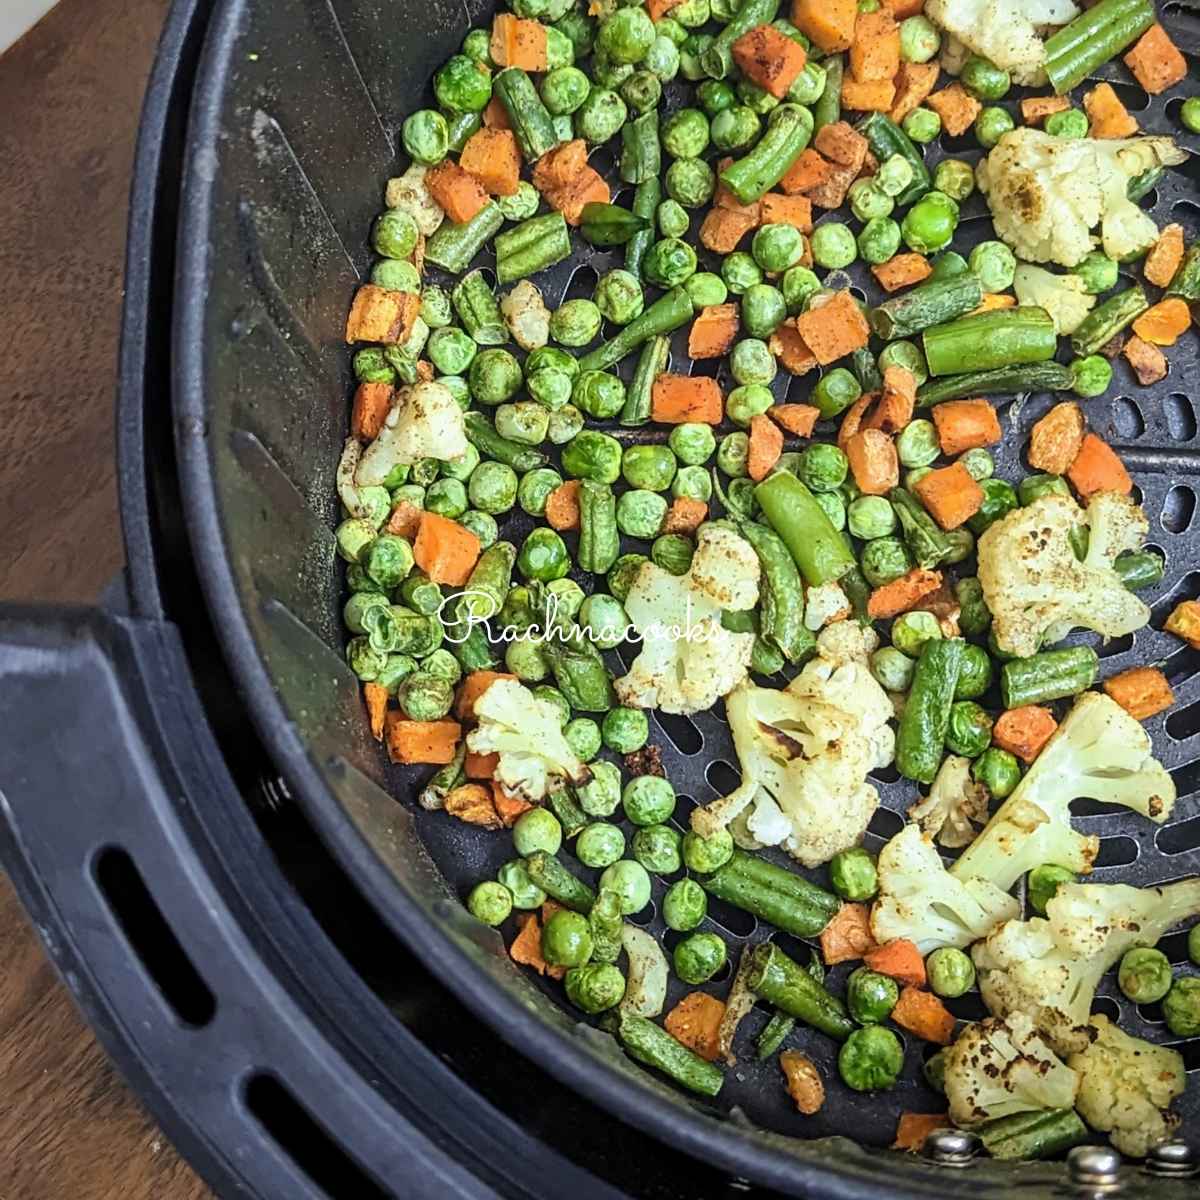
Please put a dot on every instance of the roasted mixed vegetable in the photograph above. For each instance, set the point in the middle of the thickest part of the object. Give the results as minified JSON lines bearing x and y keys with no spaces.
{"x":834,"y":560}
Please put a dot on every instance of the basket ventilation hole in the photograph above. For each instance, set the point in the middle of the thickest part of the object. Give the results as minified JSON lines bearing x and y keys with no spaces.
{"x":968,"y":1007}
{"x":1127,"y":418}
{"x":681,"y":731}
{"x":1178,"y":509}
{"x":885,"y":823}
{"x":1181,"y":665}
{"x":1115,"y":646}
{"x":1175,"y":947}
{"x":1178,"y":838}
{"x":1110,"y":1008}
{"x":645,"y":916}
{"x":1117,"y":852}
{"x":721,"y":777}
{"x":705,"y":366}
{"x":887,"y":774}
{"x":1181,"y":417}
{"x":734,"y":921}
{"x":583,"y":283}
{"x":1184,"y":722}
{"x":305,"y":1142}
{"x":1187,"y":781}
{"x":153,"y":940}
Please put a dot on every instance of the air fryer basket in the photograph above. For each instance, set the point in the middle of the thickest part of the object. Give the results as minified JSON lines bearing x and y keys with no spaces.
{"x":293,"y":134}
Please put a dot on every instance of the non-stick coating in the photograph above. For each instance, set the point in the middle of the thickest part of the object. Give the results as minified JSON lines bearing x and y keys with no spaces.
{"x":293,"y":136}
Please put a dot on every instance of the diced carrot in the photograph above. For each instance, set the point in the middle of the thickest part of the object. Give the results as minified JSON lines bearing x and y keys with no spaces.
{"x":913,"y":1128}
{"x":562,"y":506}
{"x":873,"y":462}
{"x":803,"y":1082}
{"x":1164,"y":258}
{"x":405,"y":519}
{"x":766,"y":445}
{"x":472,"y":687}
{"x":829,"y":194}
{"x":902,"y":270}
{"x":994,"y":300}
{"x":777,"y":209}
{"x":713,"y":331}
{"x":518,"y":42}
{"x":492,"y":156}
{"x":769,"y":58}
{"x":829,"y":24}
{"x":676,"y":399}
{"x":480,"y":766}
{"x":376,"y":697}
{"x":848,"y":935}
{"x":372,"y":401}
{"x":904,"y":594}
{"x":1184,"y":622}
{"x":900,"y":960}
{"x":834,"y":329}
{"x":563,"y":177}
{"x":459,"y":194}
{"x":378,"y":315}
{"x":526,"y":948}
{"x":722,"y":229}
{"x":842,"y":145}
{"x":1163,"y":322}
{"x":685,"y":515}
{"x":1096,"y":468}
{"x":445,"y":550}
{"x":1035,"y":109}
{"x":957,"y":108}
{"x":495,"y":116}
{"x":902,"y":9}
{"x":897,"y":400}
{"x":854,"y":416}
{"x":809,"y":171}
{"x":1155,"y":61}
{"x":914,"y":81}
{"x":875,"y":52}
{"x":1024,"y":731}
{"x":876,"y":96}
{"x":796,"y":419}
{"x":1141,"y":691}
{"x":659,"y":8}
{"x":589,"y":187}
{"x":790,"y":349}
{"x":508,"y":808}
{"x":1107,"y":116}
{"x":1149,"y":363}
{"x":695,"y":1021}
{"x":965,"y":425}
{"x":421,"y":741}
{"x":951,"y":494}
{"x":1055,"y":440}
{"x":924,"y":1015}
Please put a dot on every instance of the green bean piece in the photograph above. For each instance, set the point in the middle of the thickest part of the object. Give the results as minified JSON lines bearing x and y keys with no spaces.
{"x":641,"y":156}
{"x":932,"y":303}
{"x":1139,"y":569}
{"x":1032,"y":1135}
{"x":580,"y":674}
{"x":570,"y":816}
{"x":1094,"y":37}
{"x":454,"y":246}
{"x":477,"y":309}
{"x":828,"y":107}
{"x":532,"y":246}
{"x":666,"y":314}
{"x":548,"y":873}
{"x":926,"y":716}
{"x":774,"y":1035}
{"x":651,"y":363}
{"x":886,"y":139}
{"x":781,"y":594}
{"x":788,"y":132}
{"x":444,"y":780}
{"x":1108,"y":319}
{"x":774,"y":977}
{"x":1049,"y":675}
{"x":1000,"y":381}
{"x":531,"y":122}
{"x":791,"y":510}
{"x":1001,"y":338}
{"x":924,"y":539}
{"x":654,"y":1047}
{"x":772,"y":893}
{"x":599,"y":542}
{"x":605,"y":920}
{"x":646,"y":198}
{"x":1186,"y":280}
{"x":717,"y":60}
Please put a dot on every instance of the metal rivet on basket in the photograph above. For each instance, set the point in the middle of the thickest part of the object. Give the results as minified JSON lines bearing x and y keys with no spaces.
{"x":950,"y":1147}
{"x":1176,"y":1159}
{"x":1096,"y":1168}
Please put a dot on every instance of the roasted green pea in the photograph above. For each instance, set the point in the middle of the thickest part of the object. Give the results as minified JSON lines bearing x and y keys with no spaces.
{"x":823,"y":467}
{"x":669,"y":262}
{"x":919,"y":39}
{"x":917,"y":444}
{"x":625,"y":730}
{"x":852,"y":874}
{"x":763,"y":310}
{"x":631,"y":883}
{"x":564,"y":89}
{"x":490,"y":902}
{"x":658,"y":849}
{"x":537,"y":829}
{"x":692,"y":13}
{"x":425,"y":697}
{"x":922,"y":125}
{"x":575,"y":323}
{"x":908,"y":355}
{"x":998,"y":771}
{"x":600,"y":116}
{"x":893,"y":671}
{"x":1091,"y":376}
{"x":950,"y":972}
{"x":618,"y":296}
{"x":970,"y":730}
{"x":605,"y":622}
{"x":461,"y":86}
{"x":534,"y":487}
{"x":699,"y":957}
{"x":991,"y":125}
{"x":879,"y":240}
{"x":690,"y":182}
{"x":868,"y":200}
{"x":870,"y":997}
{"x":685,"y":905}
{"x":1144,"y":975}
{"x":598,"y":394}
{"x":756,"y":98}
{"x":494,"y":376}
{"x":543,"y":556}
{"x":833,"y":245}
{"x":1098,"y":272}
{"x":954,"y":178}
{"x":746,"y":402}
{"x":426,"y":136}
{"x":447,"y":498}
{"x":871,"y":517}
{"x":525,"y":659}
{"x":550,"y":388}
{"x":685,"y":133}
{"x":983,"y":79}
{"x":733,"y":454}
{"x":1070,"y":123}
{"x":672,"y":219}
{"x":777,"y":246}
{"x":673,"y":552}
{"x":1181,"y":1007}
{"x":751,"y":361}
{"x":871,"y":1059}
{"x":883,"y":560}
{"x":627,"y":35}
{"x":583,"y":736}
{"x":705,"y":855}
{"x":692,"y":443}
{"x":929,"y":225}
{"x":735,"y":128}
{"x":640,"y":513}
{"x":492,"y":488}
{"x":648,"y":467}
{"x":911,"y":630}
{"x":566,"y":939}
{"x":370,"y":366}
{"x":692,"y":483}
{"x":809,"y":85}
{"x":525,"y":893}
{"x":705,"y":289}
{"x":396,"y":275}
{"x":715,"y":96}
{"x":739,"y":271}
{"x":600,"y":845}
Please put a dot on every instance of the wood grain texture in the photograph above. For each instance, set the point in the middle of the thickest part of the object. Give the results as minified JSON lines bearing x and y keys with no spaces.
{"x":70,"y":93}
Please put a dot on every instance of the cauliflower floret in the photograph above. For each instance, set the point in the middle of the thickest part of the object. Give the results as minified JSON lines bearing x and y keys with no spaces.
{"x":919,"y":900}
{"x":410,"y":193}
{"x":1006,"y":32}
{"x":1035,"y":587}
{"x":526,"y":315}
{"x":1126,"y":1087}
{"x":688,"y":658}
{"x":825,"y":604}
{"x":526,"y":733}
{"x":956,"y":804}
{"x":1048,"y":968}
{"x":998,"y":1068}
{"x":1062,"y":296}
{"x":425,"y":421}
{"x":1047,"y":193}
{"x":805,"y":753}
{"x":1099,"y":752}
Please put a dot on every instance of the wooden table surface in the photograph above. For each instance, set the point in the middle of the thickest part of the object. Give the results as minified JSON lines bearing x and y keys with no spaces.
{"x":70,"y":94}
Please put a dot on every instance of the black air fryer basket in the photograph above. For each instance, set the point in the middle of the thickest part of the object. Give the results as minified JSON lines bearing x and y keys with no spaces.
{"x":260,"y":922}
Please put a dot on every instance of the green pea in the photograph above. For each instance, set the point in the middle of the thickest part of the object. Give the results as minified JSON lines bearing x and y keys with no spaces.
{"x":852,"y":874}
{"x":396,"y":275}
{"x":833,"y":245}
{"x":919,"y":39}
{"x":575,"y":323}
{"x":461,"y":86}
{"x":447,"y":498}
{"x":763,"y":310}
{"x":879,"y":239}
{"x":623,"y":573}
{"x":523,"y":203}
{"x":692,"y":443}
{"x":673,"y":552}
{"x":906,"y":354}
{"x":627,"y":35}
{"x":871,"y":517}
{"x":751,"y":361}
{"x":692,"y":13}
{"x":911,"y":630}
{"x":551,"y":695}
{"x":564,"y":89}
{"x":543,"y":556}
{"x":669,"y":262}
{"x":550,"y":388}
{"x":685,"y":905}
{"x":777,"y":246}
{"x":998,"y":771}
{"x":642,"y":91}
{"x":526,"y":659}
{"x":756,"y":98}
{"x":566,"y":939}
{"x":618,"y":296}
{"x":494,"y":376}
{"x":715,"y":96}
{"x":425,"y":697}
{"x":631,"y":883}
{"x":568,"y":597}
{"x":685,"y":133}
{"x":809,"y":85}
{"x":705,"y":289}
{"x":600,"y":116}
{"x":735,"y":128}
{"x":1070,"y":123}
{"x":1098,"y":272}
{"x":594,"y":987}
{"x":883,"y":560}
{"x":672,"y":219}
{"x":871,"y":1059}
{"x":583,"y":736}
{"x":451,"y":350}
{"x":690,"y":182}
{"x":658,"y":849}
{"x":739,"y":271}
{"x":1091,"y":376}
{"x":699,"y":957}
{"x":733,"y":454}
{"x":692,"y":483}
{"x":624,"y":731}
{"x":1181,"y":1007}
{"x":1189,"y":118}
{"x":705,"y":855}
{"x":648,"y":467}
{"x":524,"y":892}
{"x":868,"y":200}
{"x":746,"y":402}
{"x":1193,"y":944}
{"x":492,"y":488}
{"x":395,"y":234}
{"x":601,"y":795}
{"x":604,"y":620}
{"x":598,"y":394}
{"x":970,"y":729}
{"x":537,"y":829}
{"x":983,"y":79}
{"x":640,"y":513}
{"x":870,"y":996}
{"x":929,"y":225}
{"x":426,"y":136}
{"x":917,"y":444}
{"x":823,"y":467}
{"x":922,"y":125}
{"x":992,"y":124}
{"x":477,"y":47}
{"x":370,"y":366}
{"x":892,"y":670}
{"x":565,"y":424}
{"x":1144,"y":975}
{"x":436,"y":309}
{"x":798,"y":285}
{"x":974,"y":675}
{"x":490,"y":902}
{"x":535,"y":487}
{"x":600,"y":845}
